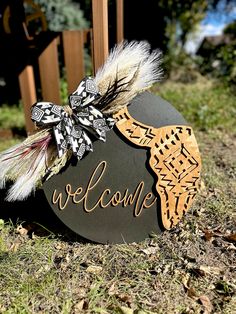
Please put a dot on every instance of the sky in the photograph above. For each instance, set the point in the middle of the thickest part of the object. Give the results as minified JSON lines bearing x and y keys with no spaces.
{"x":212,"y":25}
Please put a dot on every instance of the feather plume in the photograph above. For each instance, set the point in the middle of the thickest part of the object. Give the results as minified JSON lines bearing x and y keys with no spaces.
{"x":26,"y":164}
{"x":129,"y":69}
{"x":6,"y":164}
{"x":27,"y":183}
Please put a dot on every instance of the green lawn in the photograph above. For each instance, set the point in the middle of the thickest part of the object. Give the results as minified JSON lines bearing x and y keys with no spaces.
{"x":11,"y":117}
{"x":188,"y":270}
{"x":205,"y":104}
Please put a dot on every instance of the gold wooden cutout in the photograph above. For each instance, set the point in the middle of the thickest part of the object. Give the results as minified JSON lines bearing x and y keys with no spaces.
{"x":107,"y":198}
{"x":175,"y":159}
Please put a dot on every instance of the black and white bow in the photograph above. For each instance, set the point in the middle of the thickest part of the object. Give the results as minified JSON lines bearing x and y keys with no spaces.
{"x":71,"y":129}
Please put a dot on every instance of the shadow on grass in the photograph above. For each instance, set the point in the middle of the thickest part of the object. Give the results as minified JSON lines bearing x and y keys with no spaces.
{"x":35,"y":215}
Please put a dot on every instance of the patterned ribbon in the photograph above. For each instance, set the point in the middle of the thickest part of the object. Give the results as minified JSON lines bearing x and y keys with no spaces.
{"x":71,"y":127}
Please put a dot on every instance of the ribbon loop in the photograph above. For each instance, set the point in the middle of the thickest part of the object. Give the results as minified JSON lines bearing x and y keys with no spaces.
{"x":85,"y":93}
{"x":70,"y":130}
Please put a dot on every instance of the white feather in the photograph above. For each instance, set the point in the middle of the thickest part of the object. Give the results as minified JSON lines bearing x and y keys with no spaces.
{"x":25,"y":164}
{"x":7,"y":163}
{"x":130,"y":55}
{"x":26,"y":183}
{"x":129,"y":60}
{"x":4,"y":168}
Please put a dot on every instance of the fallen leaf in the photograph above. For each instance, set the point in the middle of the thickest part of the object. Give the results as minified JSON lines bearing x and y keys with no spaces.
{"x":150,"y":250}
{"x":208,"y":235}
{"x":112,"y":290}
{"x":211,"y":287}
{"x":79,"y":307}
{"x":204,"y":270}
{"x":210,"y":270}
{"x":67,"y":258}
{"x":208,"y":307}
{"x":124,"y":297}
{"x":231,"y":247}
{"x":94,"y":269}
{"x":186,"y":281}
{"x":81,"y":292}
{"x":167,"y":268}
{"x":21,"y":230}
{"x":192,"y":293}
{"x":231,"y":237}
{"x":60,"y":246}
{"x":199,"y":211}
{"x":126,"y":310}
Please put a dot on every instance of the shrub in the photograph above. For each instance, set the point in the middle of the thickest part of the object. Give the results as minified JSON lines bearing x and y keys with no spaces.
{"x":62,"y":15}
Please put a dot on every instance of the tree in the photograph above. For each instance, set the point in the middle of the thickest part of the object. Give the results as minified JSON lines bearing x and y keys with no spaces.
{"x":182,"y":18}
{"x":62,"y":14}
{"x":227,"y":56}
{"x":230,"y":29}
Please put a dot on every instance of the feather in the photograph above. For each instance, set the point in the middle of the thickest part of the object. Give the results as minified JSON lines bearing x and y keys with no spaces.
{"x":129,"y":69}
{"x":27,"y":183}
{"x":26,"y":164}
{"x":6,"y":165}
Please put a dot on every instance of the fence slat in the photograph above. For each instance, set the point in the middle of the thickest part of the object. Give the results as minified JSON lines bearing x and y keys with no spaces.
{"x":100,"y":32}
{"x":28,"y":95}
{"x":119,"y":20}
{"x":73,"y":45}
{"x":49,"y":73}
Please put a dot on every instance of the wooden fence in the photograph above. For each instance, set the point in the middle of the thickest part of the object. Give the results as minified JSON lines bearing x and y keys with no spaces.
{"x":73,"y":46}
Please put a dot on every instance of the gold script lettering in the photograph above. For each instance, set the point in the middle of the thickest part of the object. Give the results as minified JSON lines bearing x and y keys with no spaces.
{"x":58,"y":199}
{"x":91,"y":185}
{"x":114,"y":199}
{"x":147,"y":197}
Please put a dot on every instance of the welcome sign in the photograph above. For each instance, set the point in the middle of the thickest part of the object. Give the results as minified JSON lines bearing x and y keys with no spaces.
{"x":116,"y":163}
{"x":114,"y":195}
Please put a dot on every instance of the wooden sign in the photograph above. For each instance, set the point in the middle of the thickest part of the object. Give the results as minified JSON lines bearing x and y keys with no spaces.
{"x":141,"y":181}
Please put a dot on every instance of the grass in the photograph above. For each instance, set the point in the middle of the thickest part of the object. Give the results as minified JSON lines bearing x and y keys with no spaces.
{"x":4,"y":144}
{"x":11,"y":117}
{"x":206,"y":104}
{"x":190,"y":269}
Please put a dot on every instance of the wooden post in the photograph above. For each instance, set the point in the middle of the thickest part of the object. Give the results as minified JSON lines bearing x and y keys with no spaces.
{"x":49,"y":73}
{"x":100,"y":32}
{"x":91,"y":45}
{"x":119,"y":20}
{"x":28,"y":95}
{"x":73,"y":46}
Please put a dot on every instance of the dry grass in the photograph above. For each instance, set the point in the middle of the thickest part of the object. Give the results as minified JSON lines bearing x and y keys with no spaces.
{"x":188,"y":270}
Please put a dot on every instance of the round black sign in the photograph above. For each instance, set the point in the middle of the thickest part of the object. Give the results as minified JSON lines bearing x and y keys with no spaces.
{"x":110,"y":195}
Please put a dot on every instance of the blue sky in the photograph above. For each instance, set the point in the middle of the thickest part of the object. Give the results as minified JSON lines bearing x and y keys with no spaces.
{"x":212,"y":25}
